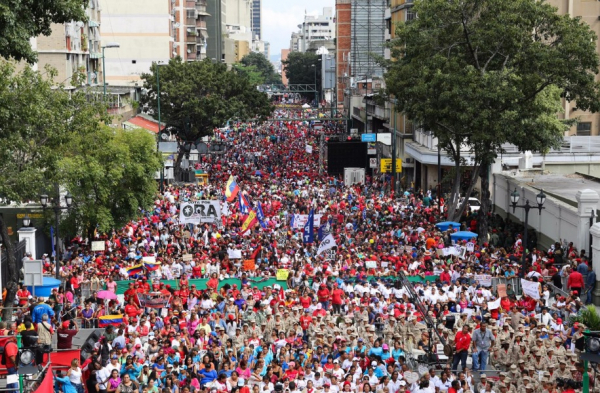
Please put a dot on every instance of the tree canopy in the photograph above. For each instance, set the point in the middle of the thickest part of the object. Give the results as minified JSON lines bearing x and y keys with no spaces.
{"x":22,"y":19}
{"x":481,"y":73}
{"x":300,"y":68}
{"x":37,"y":120}
{"x":197,"y":97}
{"x":263,"y":66}
{"x":115,"y":179}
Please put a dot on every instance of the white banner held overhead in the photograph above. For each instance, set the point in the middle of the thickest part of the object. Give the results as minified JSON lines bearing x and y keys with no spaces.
{"x":234,"y":254}
{"x":326,"y":244}
{"x":494,"y":305}
{"x":484,"y":279}
{"x":200,"y":212}
{"x":531,"y":288}
{"x":300,"y":220}
{"x":309,"y":149}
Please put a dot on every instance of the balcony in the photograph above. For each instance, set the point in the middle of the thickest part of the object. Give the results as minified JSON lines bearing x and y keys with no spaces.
{"x":201,"y":23}
{"x":190,"y":21}
{"x":192,"y":55}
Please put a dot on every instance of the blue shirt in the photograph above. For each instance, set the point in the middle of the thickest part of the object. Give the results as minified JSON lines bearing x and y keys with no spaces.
{"x":39,"y":310}
{"x":376,"y":351}
{"x":67,"y":386}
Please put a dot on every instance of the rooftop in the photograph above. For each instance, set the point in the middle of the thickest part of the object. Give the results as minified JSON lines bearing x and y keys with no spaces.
{"x":563,"y":187}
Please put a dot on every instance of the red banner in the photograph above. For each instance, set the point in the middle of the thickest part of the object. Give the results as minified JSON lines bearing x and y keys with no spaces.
{"x":63,"y":358}
{"x":47,"y":384}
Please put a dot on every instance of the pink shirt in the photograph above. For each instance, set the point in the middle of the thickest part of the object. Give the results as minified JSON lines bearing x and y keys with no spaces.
{"x":111,"y":286}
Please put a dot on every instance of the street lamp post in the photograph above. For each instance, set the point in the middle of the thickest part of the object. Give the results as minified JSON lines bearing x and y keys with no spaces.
{"x":162,"y":170}
{"x":514,"y":199}
{"x":54,"y":204}
{"x":109,"y":45}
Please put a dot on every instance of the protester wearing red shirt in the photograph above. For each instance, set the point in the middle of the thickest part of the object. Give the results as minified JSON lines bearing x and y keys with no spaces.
{"x":305,"y":321}
{"x":462,"y":345}
{"x":337,"y":299}
{"x":323,"y":295}
{"x":575,"y":281}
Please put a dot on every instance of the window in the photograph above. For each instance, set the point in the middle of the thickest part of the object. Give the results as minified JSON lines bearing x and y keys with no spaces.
{"x":584,"y":129}
{"x":410,"y":15}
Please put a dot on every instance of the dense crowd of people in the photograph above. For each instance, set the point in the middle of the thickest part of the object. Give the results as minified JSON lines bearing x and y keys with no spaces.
{"x":343,"y":320}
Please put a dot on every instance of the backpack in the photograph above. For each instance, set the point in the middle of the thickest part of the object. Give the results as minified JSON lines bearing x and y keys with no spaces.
{"x":4,"y":359}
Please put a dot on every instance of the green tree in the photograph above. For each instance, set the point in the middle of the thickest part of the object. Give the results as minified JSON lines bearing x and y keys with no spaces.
{"x":110,"y":174}
{"x":263,"y":66}
{"x":249,"y":71}
{"x":481,"y":73}
{"x":303,"y":68}
{"x":36,"y":123}
{"x":22,"y":19}
{"x":197,"y":97}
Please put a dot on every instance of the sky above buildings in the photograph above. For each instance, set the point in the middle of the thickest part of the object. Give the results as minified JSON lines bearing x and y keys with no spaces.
{"x":281,"y":17}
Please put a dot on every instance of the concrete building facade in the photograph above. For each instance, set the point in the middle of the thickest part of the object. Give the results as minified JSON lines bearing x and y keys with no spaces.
{"x":284,"y":56}
{"x":589,"y":123}
{"x":73,"y":49}
{"x":216,"y":29}
{"x":316,"y":28}
{"x":343,"y":33}
{"x":189,"y":29}
{"x":144,"y":31}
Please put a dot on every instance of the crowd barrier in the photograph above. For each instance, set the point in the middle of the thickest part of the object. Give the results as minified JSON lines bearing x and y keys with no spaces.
{"x":122,"y":286}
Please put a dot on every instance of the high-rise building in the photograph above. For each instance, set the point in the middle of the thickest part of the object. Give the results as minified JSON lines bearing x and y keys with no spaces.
{"x":367,"y":38}
{"x":257,"y":19}
{"x":189,"y":29}
{"x":320,"y":28}
{"x":343,"y":28}
{"x":73,"y":48}
{"x":216,"y":28}
{"x":143,"y":30}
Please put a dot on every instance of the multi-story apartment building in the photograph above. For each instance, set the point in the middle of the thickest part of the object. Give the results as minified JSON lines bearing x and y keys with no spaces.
{"x":73,"y":49}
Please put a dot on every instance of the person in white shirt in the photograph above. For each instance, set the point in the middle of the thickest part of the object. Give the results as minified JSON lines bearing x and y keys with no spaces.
{"x":395,"y":383}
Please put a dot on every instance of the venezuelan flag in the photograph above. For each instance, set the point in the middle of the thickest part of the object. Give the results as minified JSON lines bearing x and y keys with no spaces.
{"x":231,"y":189}
{"x":250,"y":221}
{"x":106,"y":320}
{"x":134,"y":270}
{"x":151,"y":266}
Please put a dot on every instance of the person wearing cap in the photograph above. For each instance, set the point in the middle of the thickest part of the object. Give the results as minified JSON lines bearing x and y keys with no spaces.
{"x":65,"y":334}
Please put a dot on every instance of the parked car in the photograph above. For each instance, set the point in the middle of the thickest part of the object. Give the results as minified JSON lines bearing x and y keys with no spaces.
{"x":474,"y":204}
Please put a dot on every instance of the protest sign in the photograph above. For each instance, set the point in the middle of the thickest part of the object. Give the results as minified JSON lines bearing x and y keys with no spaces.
{"x":234,"y":254}
{"x":98,"y":245}
{"x":200,"y":212}
{"x":300,"y":220}
{"x":501,"y":288}
{"x":494,"y":305}
{"x":371,"y":264}
{"x":187,"y":257}
{"x":282,"y":274}
{"x":531,"y":289}
{"x":484,"y":279}
{"x":249,"y":264}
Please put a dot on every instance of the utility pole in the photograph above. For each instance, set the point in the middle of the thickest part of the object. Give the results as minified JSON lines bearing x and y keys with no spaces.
{"x":394,"y":173}
{"x":321,"y":151}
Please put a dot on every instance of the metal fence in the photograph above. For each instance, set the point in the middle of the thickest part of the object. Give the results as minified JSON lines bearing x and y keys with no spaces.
{"x":515,"y":283}
{"x":19,"y":255}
